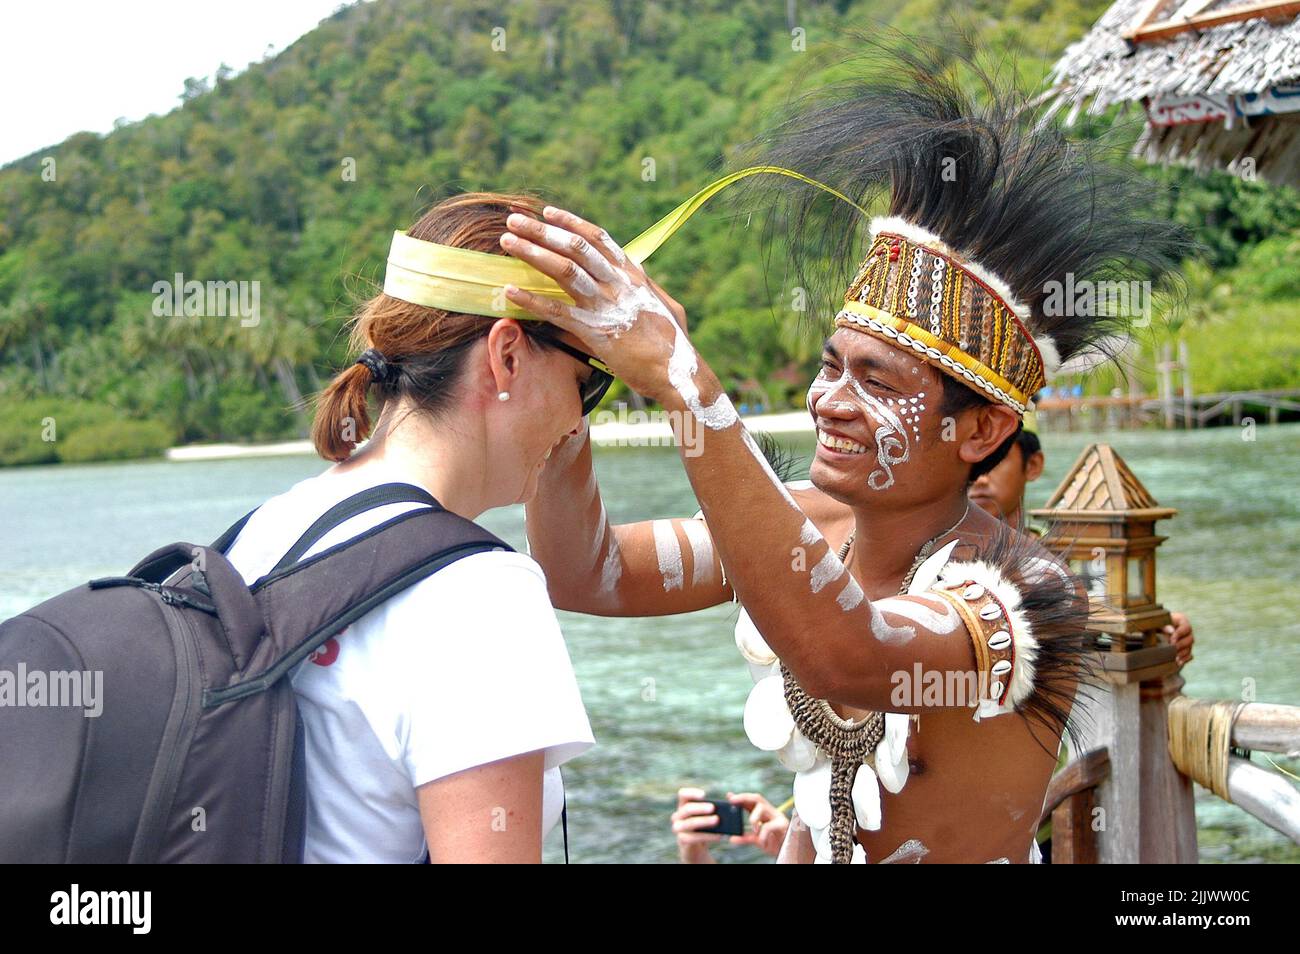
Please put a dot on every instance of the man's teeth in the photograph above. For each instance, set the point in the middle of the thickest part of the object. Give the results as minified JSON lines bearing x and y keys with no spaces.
{"x":839,"y":443}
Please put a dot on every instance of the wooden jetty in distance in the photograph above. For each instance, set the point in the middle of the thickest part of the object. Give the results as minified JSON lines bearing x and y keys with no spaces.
{"x":1141,"y":410}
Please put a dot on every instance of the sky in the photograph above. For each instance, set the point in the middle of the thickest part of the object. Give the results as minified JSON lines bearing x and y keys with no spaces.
{"x":72,"y":66}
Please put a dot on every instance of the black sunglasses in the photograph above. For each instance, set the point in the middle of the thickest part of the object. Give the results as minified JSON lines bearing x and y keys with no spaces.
{"x":597,"y":383}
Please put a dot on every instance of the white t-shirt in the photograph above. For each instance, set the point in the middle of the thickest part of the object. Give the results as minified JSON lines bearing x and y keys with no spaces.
{"x":466,"y":667}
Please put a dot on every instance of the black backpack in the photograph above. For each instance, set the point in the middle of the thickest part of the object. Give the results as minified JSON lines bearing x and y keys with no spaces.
{"x":197,"y":754}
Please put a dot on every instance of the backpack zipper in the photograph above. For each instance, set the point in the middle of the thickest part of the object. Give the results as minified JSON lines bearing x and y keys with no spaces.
{"x":180,"y":726}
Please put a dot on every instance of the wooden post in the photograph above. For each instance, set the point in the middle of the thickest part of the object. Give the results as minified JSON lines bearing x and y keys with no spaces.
{"x":1165,"y":382}
{"x":1184,"y":362}
{"x":1146,"y":811}
{"x":1073,"y":842}
{"x":1168,"y":802}
{"x":1070,"y":804}
{"x":1113,"y":723}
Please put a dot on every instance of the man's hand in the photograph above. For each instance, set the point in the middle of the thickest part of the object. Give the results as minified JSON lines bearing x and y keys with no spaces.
{"x":619,"y":314}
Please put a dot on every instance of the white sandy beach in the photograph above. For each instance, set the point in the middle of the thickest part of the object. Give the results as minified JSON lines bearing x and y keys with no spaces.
{"x":609,"y":428}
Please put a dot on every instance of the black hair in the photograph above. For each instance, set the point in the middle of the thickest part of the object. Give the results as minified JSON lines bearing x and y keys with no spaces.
{"x":1029,"y":445}
{"x":957,"y":398}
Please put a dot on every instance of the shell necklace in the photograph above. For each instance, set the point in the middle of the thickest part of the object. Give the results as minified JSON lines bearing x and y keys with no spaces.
{"x":847,"y":743}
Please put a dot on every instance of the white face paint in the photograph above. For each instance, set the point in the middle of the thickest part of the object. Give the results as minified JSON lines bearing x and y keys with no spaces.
{"x":943,"y":621}
{"x":909,"y":852}
{"x":892,"y":444}
{"x":669,"y":552}
{"x":697,"y":534}
{"x":892,"y":417}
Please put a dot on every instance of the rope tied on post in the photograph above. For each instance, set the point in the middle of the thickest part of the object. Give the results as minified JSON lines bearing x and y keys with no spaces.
{"x":1200,"y":736}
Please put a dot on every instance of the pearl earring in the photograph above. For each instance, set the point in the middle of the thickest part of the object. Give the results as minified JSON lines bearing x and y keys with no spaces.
{"x":503,"y":396}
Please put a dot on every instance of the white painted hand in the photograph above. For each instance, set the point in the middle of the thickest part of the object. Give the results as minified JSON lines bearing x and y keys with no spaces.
{"x":620,"y":315}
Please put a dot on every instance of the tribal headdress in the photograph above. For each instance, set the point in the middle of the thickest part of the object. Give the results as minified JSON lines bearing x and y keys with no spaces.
{"x":989,"y":209}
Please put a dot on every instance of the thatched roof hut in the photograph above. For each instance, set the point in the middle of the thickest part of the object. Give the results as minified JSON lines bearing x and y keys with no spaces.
{"x":1219,"y":81}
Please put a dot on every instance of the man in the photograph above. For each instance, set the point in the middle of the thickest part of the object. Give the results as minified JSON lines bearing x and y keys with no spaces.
{"x":1000,"y":492}
{"x":941,"y":340}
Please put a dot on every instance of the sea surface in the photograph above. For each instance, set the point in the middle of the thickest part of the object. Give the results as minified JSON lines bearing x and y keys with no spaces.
{"x":665,"y":695}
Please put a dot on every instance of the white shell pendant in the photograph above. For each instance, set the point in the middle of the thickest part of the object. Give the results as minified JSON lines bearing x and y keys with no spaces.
{"x":859,"y":855}
{"x":812,"y":795}
{"x":1000,"y":640}
{"x":866,"y":798}
{"x":798,"y":755}
{"x":759,"y":673}
{"x":821,"y":839}
{"x":891,"y":753}
{"x":751,"y":643}
{"x":768,"y":722}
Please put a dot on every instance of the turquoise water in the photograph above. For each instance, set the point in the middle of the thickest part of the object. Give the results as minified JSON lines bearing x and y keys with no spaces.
{"x":665,"y":695}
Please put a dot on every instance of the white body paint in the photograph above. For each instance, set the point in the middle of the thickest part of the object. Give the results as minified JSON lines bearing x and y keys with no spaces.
{"x":767,"y":469}
{"x":886,"y":633}
{"x":681,"y":375}
{"x":669,"y":553}
{"x":697,"y":534}
{"x":612,"y":569}
{"x":851,"y":596}
{"x":909,"y":852}
{"x":828,"y":570}
{"x":943,"y":621}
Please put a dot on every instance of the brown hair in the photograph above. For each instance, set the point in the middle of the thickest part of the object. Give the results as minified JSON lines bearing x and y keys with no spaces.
{"x":426,"y":345}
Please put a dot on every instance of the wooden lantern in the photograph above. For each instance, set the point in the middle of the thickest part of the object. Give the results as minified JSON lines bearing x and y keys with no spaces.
{"x":1102,"y":521}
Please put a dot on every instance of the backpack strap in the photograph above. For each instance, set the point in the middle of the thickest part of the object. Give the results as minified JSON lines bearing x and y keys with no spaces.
{"x":223,"y":542}
{"x":357,"y":503}
{"x":307,"y":602}
{"x":369,"y":499}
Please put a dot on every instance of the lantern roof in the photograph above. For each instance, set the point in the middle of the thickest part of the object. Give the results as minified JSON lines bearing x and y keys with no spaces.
{"x":1100,"y":484}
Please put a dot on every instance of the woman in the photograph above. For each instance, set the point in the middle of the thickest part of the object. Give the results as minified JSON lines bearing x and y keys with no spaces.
{"x":438,"y":721}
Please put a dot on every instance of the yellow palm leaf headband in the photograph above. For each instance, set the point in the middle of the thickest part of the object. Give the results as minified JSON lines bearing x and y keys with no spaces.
{"x":472,"y":283}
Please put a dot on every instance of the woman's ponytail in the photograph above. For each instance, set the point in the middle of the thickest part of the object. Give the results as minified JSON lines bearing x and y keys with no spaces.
{"x":342,"y":416}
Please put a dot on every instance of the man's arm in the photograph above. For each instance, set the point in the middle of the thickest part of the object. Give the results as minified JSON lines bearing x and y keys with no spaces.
{"x":650,"y":568}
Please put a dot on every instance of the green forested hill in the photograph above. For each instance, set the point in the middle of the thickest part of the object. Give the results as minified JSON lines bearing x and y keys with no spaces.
{"x":294,"y":173}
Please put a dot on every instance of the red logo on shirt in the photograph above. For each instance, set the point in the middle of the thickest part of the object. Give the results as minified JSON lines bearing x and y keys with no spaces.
{"x":326,"y":653}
